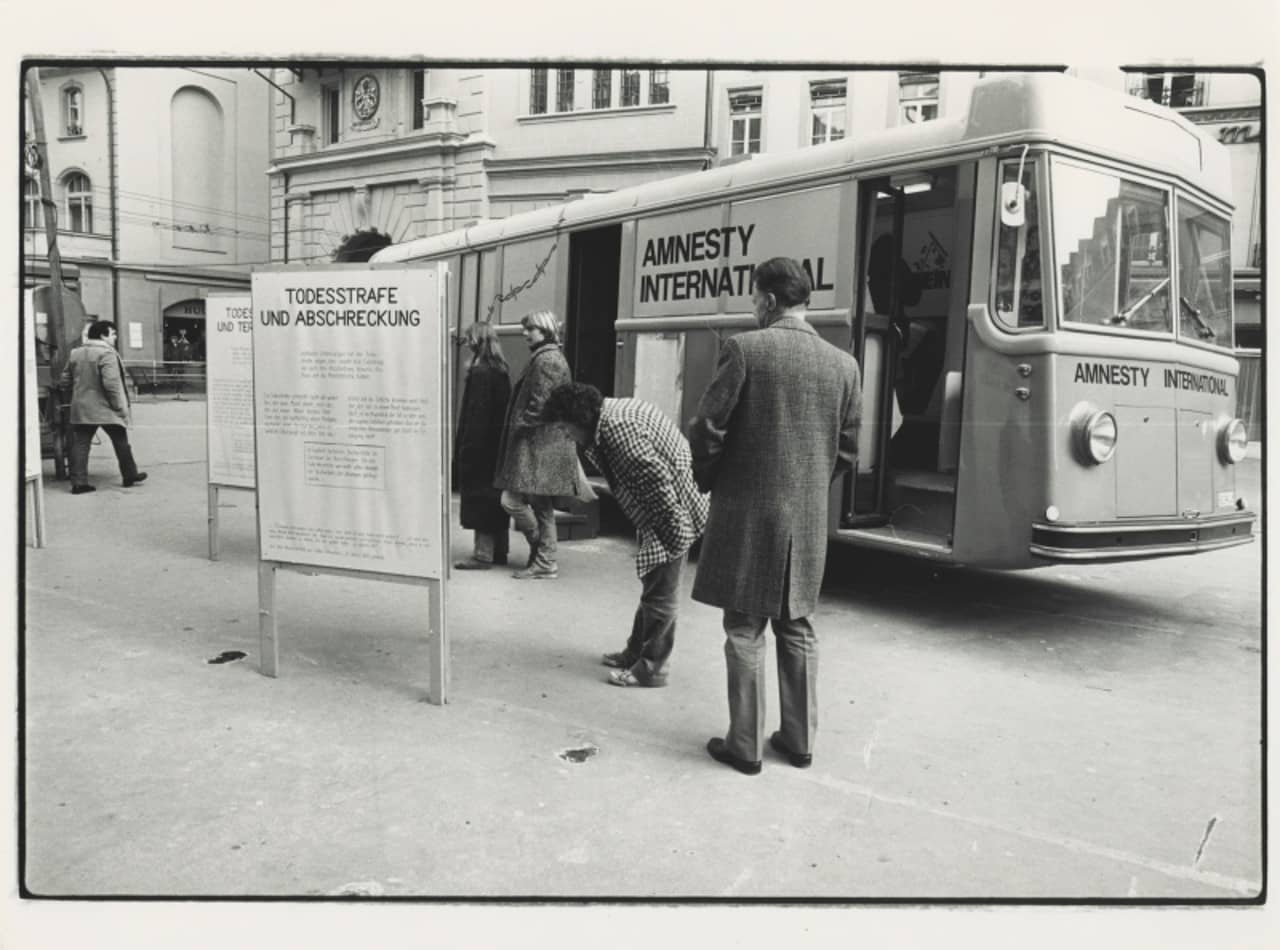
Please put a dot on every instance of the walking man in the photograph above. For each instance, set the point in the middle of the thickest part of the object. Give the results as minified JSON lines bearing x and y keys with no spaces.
{"x":778,"y":419}
{"x":647,"y":463}
{"x":99,"y":397}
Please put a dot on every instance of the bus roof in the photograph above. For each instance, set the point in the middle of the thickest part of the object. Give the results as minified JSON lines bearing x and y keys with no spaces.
{"x":1004,"y":109}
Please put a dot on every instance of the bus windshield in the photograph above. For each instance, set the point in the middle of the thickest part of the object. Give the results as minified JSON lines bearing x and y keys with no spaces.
{"x":1204,"y":275}
{"x":1111,"y":241}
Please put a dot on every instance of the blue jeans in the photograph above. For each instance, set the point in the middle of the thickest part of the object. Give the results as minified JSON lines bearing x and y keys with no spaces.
{"x":797,"y":647}
{"x":535,"y":518}
{"x":653,"y":632}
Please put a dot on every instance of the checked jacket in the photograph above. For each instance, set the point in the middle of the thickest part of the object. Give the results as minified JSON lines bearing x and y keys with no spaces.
{"x":647,"y":463}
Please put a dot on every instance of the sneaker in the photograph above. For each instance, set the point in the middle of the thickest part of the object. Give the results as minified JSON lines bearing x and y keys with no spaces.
{"x":136,"y":480}
{"x":537,"y":572}
{"x":81,"y":489}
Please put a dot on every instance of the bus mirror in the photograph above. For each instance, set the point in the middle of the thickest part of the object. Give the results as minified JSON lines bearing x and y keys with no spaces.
{"x":1013,"y":204}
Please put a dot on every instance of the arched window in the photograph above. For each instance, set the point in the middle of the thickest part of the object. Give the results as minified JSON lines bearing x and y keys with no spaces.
{"x":31,"y":204}
{"x":72,"y":109}
{"x":79,"y":195}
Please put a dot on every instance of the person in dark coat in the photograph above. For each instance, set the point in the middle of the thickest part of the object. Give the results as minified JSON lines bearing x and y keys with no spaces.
{"x":537,"y":462}
{"x":776,"y":422}
{"x":99,"y":398}
{"x":475,"y":449}
{"x":646,"y":461}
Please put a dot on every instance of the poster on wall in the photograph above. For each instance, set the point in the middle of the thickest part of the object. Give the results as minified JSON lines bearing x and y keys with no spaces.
{"x":349,"y":403}
{"x":229,"y":400}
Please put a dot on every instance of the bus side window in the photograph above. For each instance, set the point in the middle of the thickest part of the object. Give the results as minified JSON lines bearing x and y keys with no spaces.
{"x":1018,"y":302}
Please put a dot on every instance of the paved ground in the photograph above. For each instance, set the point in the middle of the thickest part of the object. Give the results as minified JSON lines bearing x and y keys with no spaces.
{"x":1067,"y":733}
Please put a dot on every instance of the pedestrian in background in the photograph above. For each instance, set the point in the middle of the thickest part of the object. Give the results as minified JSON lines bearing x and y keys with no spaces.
{"x":537,"y":462}
{"x":647,"y":464}
{"x":475,"y":448}
{"x":99,"y":398}
{"x":777,"y":420}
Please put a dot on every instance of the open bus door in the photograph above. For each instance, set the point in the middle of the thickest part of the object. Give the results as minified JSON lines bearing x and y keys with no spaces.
{"x":590,"y":343}
{"x":915,"y":235}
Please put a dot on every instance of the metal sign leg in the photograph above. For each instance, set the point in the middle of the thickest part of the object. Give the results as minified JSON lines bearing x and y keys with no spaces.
{"x":268,"y":648}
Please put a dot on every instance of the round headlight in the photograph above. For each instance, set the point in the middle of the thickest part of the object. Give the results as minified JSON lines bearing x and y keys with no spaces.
{"x":1100,"y":436}
{"x":1233,"y":442}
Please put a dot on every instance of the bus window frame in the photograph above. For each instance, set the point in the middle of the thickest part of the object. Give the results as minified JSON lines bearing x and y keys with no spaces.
{"x":1038,"y":162}
{"x":1212,"y":346}
{"x":1123,"y":173}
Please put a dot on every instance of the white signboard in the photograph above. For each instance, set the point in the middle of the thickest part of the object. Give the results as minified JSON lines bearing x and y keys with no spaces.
{"x":229,"y":402}
{"x":349,"y":402}
{"x":32,"y":413}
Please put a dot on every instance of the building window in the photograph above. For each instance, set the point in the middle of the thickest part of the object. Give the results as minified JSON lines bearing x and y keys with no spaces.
{"x":79,"y":203}
{"x":419,"y":93}
{"x":601,"y":88}
{"x":827,"y":105}
{"x":72,"y":110}
{"x":630,"y":87}
{"x":332,"y":99}
{"x":917,"y":97}
{"x":1174,"y":89}
{"x":564,"y":90}
{"x":31,"y":217}
{"x":537,"y":91}
{"x":745,"y":109}
{"x":659,"y":87}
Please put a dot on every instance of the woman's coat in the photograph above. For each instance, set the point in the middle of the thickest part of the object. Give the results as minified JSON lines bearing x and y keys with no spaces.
{"x":475,"y":448}
{"x":537,"y":459}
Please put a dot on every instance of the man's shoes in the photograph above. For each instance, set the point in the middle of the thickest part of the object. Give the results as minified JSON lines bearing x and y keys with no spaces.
{"x":628,"y":678}
{"x":471,"y":564}
{"x":500,"y":560}
{"x":136,"y":480}
{"x":720,"y":752}
{"x":81,"y":489}
{"x":537,"y":573}
{"x":619,"y":660}
{"x":801,"y":760}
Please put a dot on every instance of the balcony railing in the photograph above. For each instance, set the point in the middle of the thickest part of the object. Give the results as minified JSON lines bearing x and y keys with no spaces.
{"x":1182,"y":97}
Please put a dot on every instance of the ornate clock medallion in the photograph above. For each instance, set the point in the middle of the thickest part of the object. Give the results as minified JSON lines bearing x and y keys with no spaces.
{"x":365,"y":96}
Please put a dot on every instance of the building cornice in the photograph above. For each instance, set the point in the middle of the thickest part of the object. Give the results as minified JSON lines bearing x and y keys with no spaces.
{"x":1210,"y":115}
{"x":361,"y":154}
{"x":540,"y":165}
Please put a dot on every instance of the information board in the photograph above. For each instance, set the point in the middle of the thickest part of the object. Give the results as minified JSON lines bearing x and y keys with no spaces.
{"x":350,"y":415}
{"x":229,"y":399}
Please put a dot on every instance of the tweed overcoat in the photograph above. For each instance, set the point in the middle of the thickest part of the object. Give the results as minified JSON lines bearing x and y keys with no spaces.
{"x":537,"y":459}
{"x":779,"y":417}
{"x":475,"y":448}
{"x":99,"y":395}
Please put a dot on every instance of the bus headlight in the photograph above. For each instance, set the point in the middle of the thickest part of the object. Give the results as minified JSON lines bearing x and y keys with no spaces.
{"x":1233,"y":442}
{"x":1095,"y":434}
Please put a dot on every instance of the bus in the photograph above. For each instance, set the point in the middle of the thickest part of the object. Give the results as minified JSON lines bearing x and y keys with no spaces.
{"x":1038,"y":291}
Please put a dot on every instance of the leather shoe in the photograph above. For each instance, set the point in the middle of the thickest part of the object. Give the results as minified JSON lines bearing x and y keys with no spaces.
{"x":801,"y":760}
{"x":81,"y":489}
{"x":471,"y":564}
{"x":720,"y":752}
{"x":137,"y":479}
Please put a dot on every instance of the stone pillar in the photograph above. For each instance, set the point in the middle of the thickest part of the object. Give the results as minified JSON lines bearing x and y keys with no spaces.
{"x":439,"y":115}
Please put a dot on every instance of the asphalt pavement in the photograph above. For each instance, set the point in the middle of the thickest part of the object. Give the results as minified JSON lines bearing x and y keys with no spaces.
{"x":1082,"y":733}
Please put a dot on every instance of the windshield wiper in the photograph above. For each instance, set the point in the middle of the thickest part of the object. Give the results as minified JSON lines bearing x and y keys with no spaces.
{"x":1123,"y":316}
{"x":1203,"y":330}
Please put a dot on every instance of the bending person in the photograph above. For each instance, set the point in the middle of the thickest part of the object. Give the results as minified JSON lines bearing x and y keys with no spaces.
{"x":649,"y":469}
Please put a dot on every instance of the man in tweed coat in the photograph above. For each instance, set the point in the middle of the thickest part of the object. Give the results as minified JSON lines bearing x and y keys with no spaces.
{"x":778,"y":419}
{"x":99,"y":398}
{"x":647,"y":464}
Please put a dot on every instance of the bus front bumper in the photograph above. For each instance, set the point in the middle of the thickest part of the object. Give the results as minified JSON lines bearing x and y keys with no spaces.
{"x":1134,"y":539}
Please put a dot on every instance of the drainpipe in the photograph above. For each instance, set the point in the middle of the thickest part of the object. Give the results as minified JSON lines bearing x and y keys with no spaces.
{"x":115,"y":196}
{"x":706,"y":118}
